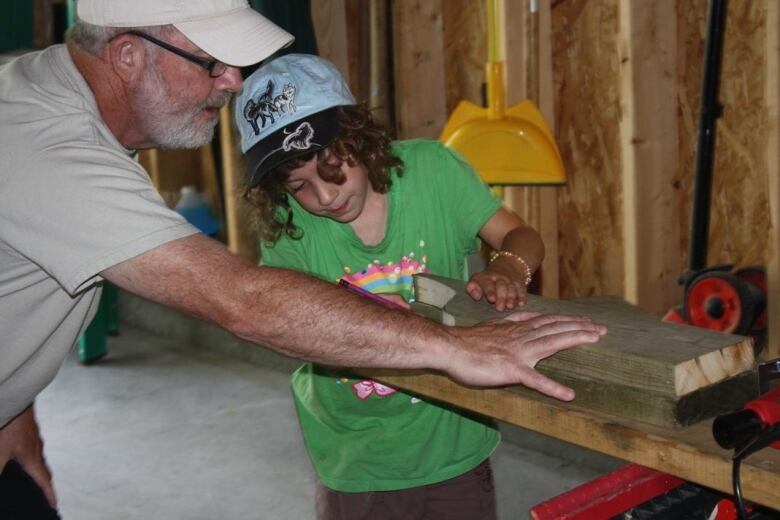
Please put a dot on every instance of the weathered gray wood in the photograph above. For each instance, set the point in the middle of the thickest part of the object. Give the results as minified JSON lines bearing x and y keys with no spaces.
{"x":663,"y":373}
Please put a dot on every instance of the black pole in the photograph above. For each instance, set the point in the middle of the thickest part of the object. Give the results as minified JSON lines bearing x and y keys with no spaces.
{"x":711,"y":110}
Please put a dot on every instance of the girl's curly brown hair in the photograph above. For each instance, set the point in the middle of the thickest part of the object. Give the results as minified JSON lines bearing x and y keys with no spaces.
{"x":359,"y":140}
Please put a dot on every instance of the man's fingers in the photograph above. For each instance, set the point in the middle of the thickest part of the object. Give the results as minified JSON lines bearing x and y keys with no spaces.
{"x":508,"y":351}
{"x":546,"y":386}
{"x":556,"y":327}
{"x":41,"y":475}
{"x":537,"y":320}
{"x":548,"y":344}
{"x":20,"y":440}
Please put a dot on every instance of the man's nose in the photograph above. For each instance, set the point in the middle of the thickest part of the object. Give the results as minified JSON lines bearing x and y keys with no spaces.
{"x":231,"y":80}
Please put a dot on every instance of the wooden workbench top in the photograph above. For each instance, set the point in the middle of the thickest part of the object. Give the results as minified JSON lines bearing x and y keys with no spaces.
{"x":689,"y":453}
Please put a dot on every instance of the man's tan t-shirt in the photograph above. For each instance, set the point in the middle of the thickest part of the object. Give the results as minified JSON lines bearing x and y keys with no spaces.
{"x":73,"y":202}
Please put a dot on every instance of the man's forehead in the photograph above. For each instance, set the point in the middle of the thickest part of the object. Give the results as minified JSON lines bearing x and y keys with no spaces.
{"x":176,"y":37}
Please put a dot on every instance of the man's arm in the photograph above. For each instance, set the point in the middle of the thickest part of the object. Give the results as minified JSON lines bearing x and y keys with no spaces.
{"x":306,"y":318}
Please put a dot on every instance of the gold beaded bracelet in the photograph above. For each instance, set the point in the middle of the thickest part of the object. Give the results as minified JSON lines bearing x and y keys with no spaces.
{"x":519,"y":258}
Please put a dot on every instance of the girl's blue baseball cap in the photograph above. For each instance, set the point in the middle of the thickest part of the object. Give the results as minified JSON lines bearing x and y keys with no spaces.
{"x":288,"y":108}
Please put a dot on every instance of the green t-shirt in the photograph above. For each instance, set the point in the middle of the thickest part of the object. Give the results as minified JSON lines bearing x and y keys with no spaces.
{"x":361,"y":435}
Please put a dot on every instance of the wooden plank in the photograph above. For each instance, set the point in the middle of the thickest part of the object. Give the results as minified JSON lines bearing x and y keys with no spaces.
{"x":587,"y":109}
{"x":663,"y":373}
{"x":241,"y":240}
{"x":547,"y":196}
{"x":356,"y":28}
{"x":420,"y":109}
{"x":689,"y":453}
{"x":330,"y":28}
{"x":648,"y":131}
{"x":773,"y":176}
{"x":465,"y":47}
{"x":517,"y":50}
{"x":150,"y":160}
{"x":379,"y":98}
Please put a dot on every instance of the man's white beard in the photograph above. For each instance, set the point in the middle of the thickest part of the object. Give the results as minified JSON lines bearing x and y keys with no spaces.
{"x":169,"y":122}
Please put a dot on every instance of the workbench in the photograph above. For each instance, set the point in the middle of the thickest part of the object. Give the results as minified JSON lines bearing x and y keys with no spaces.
{"x":689,"y":453}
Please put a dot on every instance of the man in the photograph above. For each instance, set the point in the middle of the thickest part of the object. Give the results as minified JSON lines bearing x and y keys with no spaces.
{"x":76,"y":208}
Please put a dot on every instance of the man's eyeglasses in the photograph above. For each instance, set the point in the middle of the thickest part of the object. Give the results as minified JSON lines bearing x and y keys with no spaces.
{"x":215,"y":68}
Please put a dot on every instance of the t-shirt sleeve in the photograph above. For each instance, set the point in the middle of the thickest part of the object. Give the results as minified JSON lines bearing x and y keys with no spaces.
{"x":286,"y":253}
{"x":81,"y":210}
{"x":469,"y":201}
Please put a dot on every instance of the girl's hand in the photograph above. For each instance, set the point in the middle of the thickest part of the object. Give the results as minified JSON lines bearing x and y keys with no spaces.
{"x":501,"y":284}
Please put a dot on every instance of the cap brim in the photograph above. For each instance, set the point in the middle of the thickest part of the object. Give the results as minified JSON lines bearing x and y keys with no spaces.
{"x":239,"y":38}
{"x":270,"y":152}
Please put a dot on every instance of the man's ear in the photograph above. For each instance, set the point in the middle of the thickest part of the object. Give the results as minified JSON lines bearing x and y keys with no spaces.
{"x":127,"y":56}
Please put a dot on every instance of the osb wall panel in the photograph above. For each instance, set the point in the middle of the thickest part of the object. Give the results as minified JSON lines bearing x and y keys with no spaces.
{"x":465,"y":51}
{"x":418,"y":68}
{"x":739,"y":214}
{"x":586,"y":83}
{"x":356,"y":20}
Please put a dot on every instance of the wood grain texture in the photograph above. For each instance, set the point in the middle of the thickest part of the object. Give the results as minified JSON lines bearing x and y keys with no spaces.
{"x":689,"y":453}
{"x":464,"y":24}
{"x":587,"y":111}
{"x":773,"y":174}
{"x":663,"y":373}
{"x":739,"y":197}
{"x":379,"y":75}
{"x":240,"y":236}
{"x":543,"y":201}
{"x":648,"y":100}
{"x":329,"y":18}
{"x":420,"y":108}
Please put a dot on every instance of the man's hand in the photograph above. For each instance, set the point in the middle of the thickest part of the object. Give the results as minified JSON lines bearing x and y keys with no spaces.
{"x":506,"y":352}
{"x":21,"y":441}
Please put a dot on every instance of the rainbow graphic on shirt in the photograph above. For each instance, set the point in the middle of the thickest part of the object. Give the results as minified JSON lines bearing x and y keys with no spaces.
{"x":394,"y":277}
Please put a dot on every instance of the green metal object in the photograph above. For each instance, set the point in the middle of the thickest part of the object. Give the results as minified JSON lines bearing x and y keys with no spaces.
{"x":71,"y":12}
{"x":16,"y":25}
{"x":93,"y":344}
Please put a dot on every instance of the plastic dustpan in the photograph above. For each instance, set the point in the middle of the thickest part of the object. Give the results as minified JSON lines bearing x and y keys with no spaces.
{"x":505,"y":146}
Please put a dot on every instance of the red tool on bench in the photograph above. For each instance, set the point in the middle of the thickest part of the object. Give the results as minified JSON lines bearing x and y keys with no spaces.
{"x":720,"y":299}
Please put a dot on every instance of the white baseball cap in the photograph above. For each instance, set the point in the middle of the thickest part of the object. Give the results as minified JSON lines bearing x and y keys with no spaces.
{"x":229,"y":30}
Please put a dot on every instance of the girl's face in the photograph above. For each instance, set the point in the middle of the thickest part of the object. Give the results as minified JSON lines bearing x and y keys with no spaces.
{"x":341,"y":202}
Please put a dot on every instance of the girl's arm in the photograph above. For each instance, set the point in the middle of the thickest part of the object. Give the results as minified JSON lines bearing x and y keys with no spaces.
{"x":520,"y":252}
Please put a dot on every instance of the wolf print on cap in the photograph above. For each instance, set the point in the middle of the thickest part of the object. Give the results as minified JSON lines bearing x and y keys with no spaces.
{"x":267,"y":105}
{"x":298,"y":139}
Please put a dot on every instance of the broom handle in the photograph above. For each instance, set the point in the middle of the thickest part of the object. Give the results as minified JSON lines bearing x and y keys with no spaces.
{"x":495,"y":12}
{"x":494,"y":70}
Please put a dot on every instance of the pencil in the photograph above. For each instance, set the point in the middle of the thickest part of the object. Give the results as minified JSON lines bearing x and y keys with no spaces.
{"x":368,"y":294}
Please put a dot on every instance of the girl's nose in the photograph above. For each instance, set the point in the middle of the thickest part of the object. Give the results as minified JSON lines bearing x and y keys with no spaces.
{"x":326,"y":193}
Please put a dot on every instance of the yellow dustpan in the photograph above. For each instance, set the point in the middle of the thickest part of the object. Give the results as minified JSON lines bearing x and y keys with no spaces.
{"x":505,"y":146}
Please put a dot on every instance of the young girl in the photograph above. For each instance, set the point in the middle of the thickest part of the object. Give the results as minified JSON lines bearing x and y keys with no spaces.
{"x":335,"y":198}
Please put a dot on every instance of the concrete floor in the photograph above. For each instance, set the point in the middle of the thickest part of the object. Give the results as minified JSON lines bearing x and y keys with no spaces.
{"x":202,"y":427}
